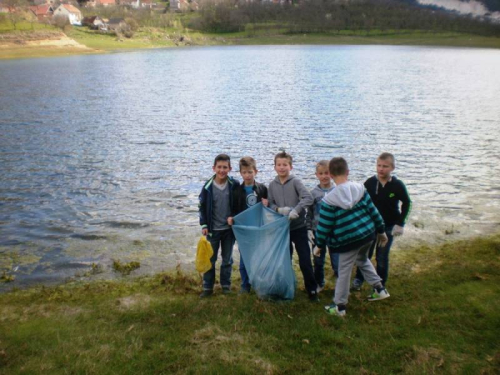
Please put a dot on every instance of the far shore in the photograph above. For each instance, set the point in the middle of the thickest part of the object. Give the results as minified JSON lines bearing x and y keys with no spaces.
{"x":79,"y":41}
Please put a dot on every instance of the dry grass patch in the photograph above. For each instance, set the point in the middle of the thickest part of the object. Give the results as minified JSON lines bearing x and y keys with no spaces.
{"x":133,"y":301}
{"x":211,"y":343}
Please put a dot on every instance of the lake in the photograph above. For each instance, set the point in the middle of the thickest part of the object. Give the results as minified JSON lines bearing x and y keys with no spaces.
{"x":102,"y":157}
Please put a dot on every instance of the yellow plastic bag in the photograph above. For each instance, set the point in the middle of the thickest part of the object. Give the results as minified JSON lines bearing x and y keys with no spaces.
{"x":203,"y":255}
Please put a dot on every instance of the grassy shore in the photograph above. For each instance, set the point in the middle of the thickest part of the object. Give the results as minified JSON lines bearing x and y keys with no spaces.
{"x":443,"y":317}
{"x":93,"y":42}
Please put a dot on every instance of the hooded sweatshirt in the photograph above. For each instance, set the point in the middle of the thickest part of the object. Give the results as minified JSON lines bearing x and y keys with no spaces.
{"x":291,"y":194}
{"x":348,"y":218}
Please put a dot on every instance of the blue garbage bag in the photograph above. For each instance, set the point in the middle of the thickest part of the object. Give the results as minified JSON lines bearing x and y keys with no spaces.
{"x":264,"y":241}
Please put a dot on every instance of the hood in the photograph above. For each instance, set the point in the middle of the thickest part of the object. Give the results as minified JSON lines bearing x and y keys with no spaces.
{"x":345,"y":195}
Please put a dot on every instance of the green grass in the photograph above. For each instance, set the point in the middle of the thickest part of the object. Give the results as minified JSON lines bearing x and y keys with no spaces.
{"x":443,"y":317}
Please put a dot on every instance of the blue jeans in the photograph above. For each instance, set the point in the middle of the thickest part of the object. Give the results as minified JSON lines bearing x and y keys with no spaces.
{"x":299,"y":238}
{"x":382,"y":258}
{"x":245,"y":281}
{"x":225,"y":240}
{"x":319,"y":266}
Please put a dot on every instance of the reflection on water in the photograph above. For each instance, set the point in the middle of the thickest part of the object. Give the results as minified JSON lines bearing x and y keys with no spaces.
{"x":103,"y":157}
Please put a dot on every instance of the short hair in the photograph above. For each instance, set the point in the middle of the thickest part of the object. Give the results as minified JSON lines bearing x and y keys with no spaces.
{"x":283,"y":155}
{"x":388,"y":156}
{"x":338,"y":166}
{"x":322,"y":163}
{"x":222,"y":157}
{"x":248,"y":162}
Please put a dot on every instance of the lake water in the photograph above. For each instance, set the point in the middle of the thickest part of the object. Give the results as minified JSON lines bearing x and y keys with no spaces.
{"x":102,"y":157}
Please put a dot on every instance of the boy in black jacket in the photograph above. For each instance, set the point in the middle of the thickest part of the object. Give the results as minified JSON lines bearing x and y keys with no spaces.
{"x":386,"y":192}
{"x":215,"y":207}
{"x":246,"y":195}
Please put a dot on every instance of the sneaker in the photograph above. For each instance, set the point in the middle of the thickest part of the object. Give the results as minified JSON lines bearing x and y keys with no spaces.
{"x":206,"y":293}
{"x":313,"y":297}
{"x":320,"y":288}
{"x":226,"y":290}
{"x":333,"y":309}
{"x":356,"y":286}
{"x":382,"y":294}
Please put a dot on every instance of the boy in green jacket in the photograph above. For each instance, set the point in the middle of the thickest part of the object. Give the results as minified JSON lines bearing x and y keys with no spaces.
{"x":348,"y":224}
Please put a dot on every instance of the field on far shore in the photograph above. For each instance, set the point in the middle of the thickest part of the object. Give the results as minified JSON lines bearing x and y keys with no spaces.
{"x":36,"y":40}
{"x":443,"y":317}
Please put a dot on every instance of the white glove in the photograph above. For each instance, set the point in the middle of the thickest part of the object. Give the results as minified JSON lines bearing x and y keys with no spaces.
{"x":284,"y":211}
{"x":310,"y":236}
{"x":397,"y":230}
{"x":316,"y":251}
{"x":293,"y":215}
{"x":382,"y":239}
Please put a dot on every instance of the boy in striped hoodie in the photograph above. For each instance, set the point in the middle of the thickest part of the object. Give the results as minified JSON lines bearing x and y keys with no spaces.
{"x":349,"y":223}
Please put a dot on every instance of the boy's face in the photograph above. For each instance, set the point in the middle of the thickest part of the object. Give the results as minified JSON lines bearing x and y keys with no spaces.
{"x":384,"y":168}
{"x":323,"y":175}
{"x":282,"y":167}
{"x":248,"y":174}
{"x":221,"y":169}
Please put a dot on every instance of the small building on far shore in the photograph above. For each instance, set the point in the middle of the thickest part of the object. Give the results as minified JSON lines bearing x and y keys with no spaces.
{"x":42,"y":12}
{"x":73,"y":13}
{"x":94,"y":22}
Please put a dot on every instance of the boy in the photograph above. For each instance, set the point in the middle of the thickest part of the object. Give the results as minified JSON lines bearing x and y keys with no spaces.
{"x":216,"y":205}
{"x":318,"y":193}
{"x":386,"y":192}
{"x":347,"y":223}
{"x":289,"y":197}
{"x":246,"y":195}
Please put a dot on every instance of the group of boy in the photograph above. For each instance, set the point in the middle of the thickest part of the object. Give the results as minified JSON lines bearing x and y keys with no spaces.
{"x":350,"y":220}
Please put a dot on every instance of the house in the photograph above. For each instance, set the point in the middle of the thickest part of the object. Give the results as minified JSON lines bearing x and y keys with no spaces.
{"x":93,"y":22}
{"x":116,"y":23}
{"x":131,"y":3}
{"x":42,"y":12}
{"x":7,"y":9}
{"x":73,"y":13}
{"x":179,"y":5}
{"x":100,"y":3}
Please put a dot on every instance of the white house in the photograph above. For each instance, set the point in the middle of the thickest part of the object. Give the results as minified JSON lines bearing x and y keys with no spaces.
{"x":73,"y":13}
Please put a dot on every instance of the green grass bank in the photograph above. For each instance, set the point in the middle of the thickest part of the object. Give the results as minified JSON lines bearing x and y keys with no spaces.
{"x":443,"y":317}
{"x":28,"y":41}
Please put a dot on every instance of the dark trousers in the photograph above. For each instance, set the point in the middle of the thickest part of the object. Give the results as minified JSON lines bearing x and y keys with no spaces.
{"x":299,"y":238}
{"x":319,"y":265}
{"x":382,"y":258}
{"x":225,"y":240}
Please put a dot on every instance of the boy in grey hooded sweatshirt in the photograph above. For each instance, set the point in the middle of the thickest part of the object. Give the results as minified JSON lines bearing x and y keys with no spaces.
{"x":349,"y":223}
{"x":288,"y":196}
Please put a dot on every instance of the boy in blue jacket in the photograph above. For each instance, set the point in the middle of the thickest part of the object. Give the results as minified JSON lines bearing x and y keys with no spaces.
{"x":248,"y":194}
{"x":349,"y":223}
{"x":215,"y":207}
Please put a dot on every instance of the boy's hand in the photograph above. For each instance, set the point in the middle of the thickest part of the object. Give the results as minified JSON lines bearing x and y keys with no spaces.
{"x":284,"y":211}
{"x":397,"y":230}
{"x":265,"y":202}
{"x":204,"y":231}
{"x":293,"y":215}
{"x":310,"y":236}
{"x":316,"y":251}
{"x":230,"y":220}
{"x":382,"y":239}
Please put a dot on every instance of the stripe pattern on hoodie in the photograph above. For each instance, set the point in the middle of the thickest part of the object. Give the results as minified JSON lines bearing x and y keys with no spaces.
{"x":343,"y":229}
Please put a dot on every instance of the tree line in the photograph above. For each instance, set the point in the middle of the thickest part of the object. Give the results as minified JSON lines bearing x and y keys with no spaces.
{"x":333,"y":16}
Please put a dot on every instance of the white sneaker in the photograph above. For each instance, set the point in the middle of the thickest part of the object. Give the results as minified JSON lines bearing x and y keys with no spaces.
{"x":376,"y":296}
{"x":333,"y":309}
